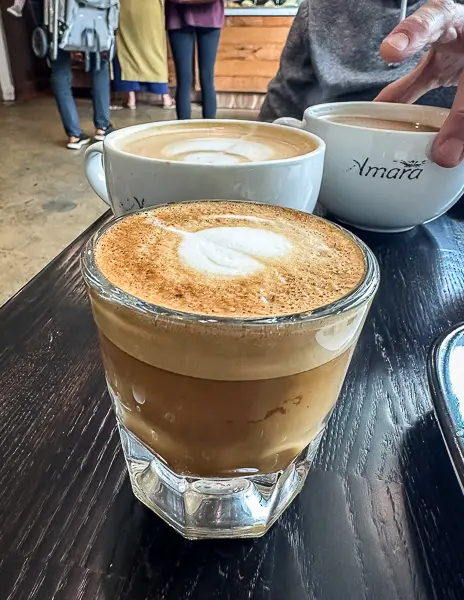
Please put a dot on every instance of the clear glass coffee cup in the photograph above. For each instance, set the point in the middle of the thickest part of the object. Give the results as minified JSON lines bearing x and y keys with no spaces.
{"x":220,"y":417}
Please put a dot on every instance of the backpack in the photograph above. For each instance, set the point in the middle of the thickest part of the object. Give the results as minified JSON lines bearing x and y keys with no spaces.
{"x":87,"y":26}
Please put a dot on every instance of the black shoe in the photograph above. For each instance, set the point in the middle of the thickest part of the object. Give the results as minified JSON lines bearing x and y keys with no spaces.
{"x":81,"y":142}
{"x":99,"y":137}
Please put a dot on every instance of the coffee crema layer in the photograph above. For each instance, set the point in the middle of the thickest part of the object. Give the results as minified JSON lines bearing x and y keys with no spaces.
{"x":378,"y":123}
{"x":219,"y":144}
{"x":233,"y":259}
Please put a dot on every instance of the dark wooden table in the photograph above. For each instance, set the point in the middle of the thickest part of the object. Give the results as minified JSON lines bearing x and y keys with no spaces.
{"x":381,"y":516}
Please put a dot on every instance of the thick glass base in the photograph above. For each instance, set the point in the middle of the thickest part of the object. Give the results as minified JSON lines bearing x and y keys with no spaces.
{"x":198,"y":508}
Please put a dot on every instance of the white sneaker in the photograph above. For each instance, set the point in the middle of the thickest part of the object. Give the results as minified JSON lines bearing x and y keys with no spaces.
{"x":15,"y":11}
{"x":82,"y":141}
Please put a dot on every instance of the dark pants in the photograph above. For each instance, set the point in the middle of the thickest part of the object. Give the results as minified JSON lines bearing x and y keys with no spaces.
{"x":62,"y":88}
{"x":182,"y":45}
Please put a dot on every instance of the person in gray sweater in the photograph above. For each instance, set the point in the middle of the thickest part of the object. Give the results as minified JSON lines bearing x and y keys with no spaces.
{"x":342,"y":50}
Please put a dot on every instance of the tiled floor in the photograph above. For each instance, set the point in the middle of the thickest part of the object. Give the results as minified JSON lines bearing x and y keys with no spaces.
{"x":45,"y":200}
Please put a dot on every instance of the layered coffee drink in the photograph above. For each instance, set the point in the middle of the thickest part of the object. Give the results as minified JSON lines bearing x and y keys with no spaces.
{"x":221,"y":143}
{"x":228,"y":332}
{"x":379,"y":123}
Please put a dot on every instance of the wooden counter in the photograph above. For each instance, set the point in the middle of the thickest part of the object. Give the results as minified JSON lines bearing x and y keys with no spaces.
{"x":249,"y":52}
{"x":248,"y":57}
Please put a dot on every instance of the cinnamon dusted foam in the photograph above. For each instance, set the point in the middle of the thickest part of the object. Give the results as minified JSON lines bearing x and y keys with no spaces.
{"x":234,"y":259}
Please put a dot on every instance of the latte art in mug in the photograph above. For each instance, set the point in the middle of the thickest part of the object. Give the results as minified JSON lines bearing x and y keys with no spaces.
{"x":155,"y":163}
{"x":221,"y":144}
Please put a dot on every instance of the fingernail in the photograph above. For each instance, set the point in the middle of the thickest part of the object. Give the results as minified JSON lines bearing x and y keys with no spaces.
{"x":399,"y":41}
{"x":450,"y":152}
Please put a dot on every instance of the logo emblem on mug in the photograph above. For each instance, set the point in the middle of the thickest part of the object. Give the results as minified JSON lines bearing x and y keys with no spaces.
{"x":409,"y":169}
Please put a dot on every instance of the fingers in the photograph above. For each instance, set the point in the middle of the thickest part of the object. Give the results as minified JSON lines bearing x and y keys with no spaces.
{"x":427,"y":25}
{"x":448,"y":148}
{"x":409,"y":88}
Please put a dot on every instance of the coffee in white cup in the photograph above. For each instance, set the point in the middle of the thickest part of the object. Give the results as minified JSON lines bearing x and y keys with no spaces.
{"x":378,"y":172}
{"x":155,"y":163}
{"x":378,"y":123}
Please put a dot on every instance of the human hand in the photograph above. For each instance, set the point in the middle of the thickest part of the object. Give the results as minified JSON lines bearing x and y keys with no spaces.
{"x":440,"y":25}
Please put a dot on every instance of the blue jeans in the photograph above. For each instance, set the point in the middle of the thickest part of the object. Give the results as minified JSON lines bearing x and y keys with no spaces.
{"x":182,"y":45}
{"x":62,"y":88}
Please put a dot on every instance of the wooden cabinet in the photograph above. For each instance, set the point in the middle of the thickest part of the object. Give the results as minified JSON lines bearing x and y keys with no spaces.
{"x":249,"y":52}
{"x":248,"y":55}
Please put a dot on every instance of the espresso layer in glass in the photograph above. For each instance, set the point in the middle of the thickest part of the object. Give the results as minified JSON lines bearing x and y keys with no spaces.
{"x":208,"y":428}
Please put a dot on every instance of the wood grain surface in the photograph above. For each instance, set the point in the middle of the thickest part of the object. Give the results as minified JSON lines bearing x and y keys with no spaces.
{"x":248,"y":54}
{"x":381,"y":516}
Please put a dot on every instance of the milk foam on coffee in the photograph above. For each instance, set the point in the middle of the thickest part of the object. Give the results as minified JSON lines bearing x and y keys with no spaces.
{"x":230,"y":259}
{"x":219,"y":144}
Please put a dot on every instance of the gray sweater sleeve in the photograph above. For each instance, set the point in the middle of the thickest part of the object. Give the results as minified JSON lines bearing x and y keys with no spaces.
{"x":286,"y":94}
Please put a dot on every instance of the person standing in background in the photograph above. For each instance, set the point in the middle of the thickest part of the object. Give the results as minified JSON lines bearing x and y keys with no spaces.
{"x":187,"y":22}
{"x":140,"y":63}
{"x":61,"y":80}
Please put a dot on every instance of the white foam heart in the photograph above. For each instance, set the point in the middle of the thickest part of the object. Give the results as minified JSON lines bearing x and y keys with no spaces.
{"x":232,"y":251}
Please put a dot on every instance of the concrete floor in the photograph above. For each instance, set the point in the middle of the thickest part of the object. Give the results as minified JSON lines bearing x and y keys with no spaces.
{"x":45,"y":200}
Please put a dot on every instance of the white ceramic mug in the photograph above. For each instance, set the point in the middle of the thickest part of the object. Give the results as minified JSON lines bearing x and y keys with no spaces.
{"x":377,"y":179}
{"x":128,"y":182}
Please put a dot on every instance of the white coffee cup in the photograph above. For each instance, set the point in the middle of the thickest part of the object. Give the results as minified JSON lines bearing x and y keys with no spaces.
{"x":377,"y":179}
{"x":129,"y":182}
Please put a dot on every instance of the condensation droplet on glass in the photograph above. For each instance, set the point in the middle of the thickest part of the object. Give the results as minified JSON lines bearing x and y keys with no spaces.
{"x":171,"y":417}
{"x":139,"y":395}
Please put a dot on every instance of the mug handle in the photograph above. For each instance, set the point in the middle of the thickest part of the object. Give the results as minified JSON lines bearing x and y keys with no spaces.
{"x":289,"y":122}
{"x":95,"y":170}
